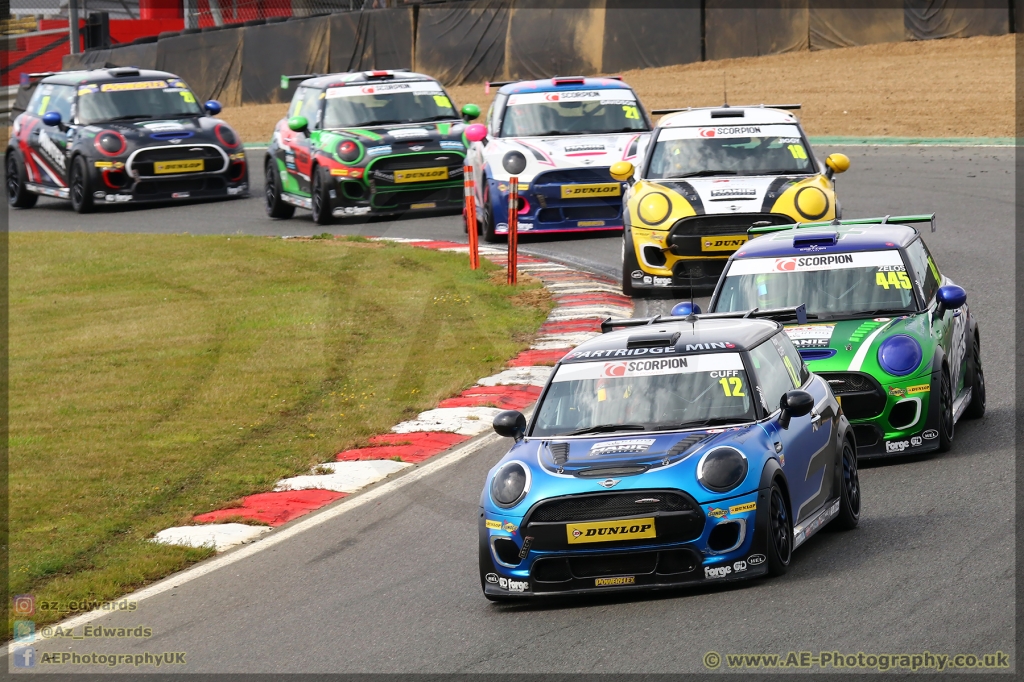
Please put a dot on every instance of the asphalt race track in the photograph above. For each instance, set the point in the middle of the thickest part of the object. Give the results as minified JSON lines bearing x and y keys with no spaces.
{"x":393,"y":585}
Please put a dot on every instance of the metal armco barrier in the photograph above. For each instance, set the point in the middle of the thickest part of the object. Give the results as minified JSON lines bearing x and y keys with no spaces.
{"x":513,"y":230}
{"x":470,"y":208}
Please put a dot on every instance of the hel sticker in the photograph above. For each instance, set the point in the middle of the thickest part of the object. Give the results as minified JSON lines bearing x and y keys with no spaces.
{"x":620,"y":96}
{"x":421,"y":175}
{"x":838,"y":261}
{"x":648,"y":367}
{"x":740,"y":508}
{"x":607,"y":582}
{"x":693,"y":133}
{"x":610,"y":531}
{"x":493,"y":525}
{"x":729,"y":243}
{"x":137,"y":85}
{"x":186,"y":166}
{"x":811,"y":335}
{"x":604,"y":189}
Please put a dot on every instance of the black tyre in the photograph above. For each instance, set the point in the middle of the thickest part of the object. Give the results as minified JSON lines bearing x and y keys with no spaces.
{"x":629,"y":266}
{"x":321,"y":200}
{"x":81,"y":193}
{"x":17,"y":195}
{"x":276,"y":208}
{"x":945,"y":412}
{"x":849,"y":491}
{"x":780,"y":531}
{"x":487,"y":218}
{"x":976,"y":410}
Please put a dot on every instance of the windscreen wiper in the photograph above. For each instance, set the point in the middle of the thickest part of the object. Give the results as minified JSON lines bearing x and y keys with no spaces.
{"x":704,"y":173}
{"x":129,"y":116}
{"x":880,"y":311}
{"x":604,"y":428}
{"x":449,"y":117}
{"x":713,"y":421}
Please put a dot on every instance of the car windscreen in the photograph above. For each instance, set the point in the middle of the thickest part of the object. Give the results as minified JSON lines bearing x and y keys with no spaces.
{"x":652,"y":394}
{"x":729,"y":150}
{"x":832,"y":285}
{"x":572,"y":112}
{"x":100,"y":102}
{"x":354,"y":106}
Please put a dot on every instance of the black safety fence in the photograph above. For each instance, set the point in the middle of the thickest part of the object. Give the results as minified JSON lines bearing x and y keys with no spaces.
{"x":488,"y":40}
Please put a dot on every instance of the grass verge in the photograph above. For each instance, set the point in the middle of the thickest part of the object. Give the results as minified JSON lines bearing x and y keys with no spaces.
{"x":157,"y":377}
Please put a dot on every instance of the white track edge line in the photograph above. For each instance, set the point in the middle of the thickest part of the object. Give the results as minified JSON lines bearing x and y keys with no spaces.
{"x":267,"y":541}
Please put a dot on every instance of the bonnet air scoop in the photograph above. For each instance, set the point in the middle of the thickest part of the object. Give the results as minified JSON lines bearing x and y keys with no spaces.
{"x":818,"y":239}
{"x":652,"y":340}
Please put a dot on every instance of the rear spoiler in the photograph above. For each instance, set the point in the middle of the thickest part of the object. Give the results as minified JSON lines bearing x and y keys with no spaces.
{"x":757,"y":229}
{"x":661,"y":112}
{"x":793,"y":313}
{"x":286,"y":80}
{"x":25,"y":79}
{"x":498,"y":84}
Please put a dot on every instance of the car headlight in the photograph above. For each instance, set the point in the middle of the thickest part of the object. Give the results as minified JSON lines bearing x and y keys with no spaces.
{"x":111,"y":143}
{"x":654,"y":208}
{"x":722,"y":469}
{"x":899,"y":355}
{"x":514,"y":163}
{"x":348,"y":150}
{"x":510,"y":484}
{"x":226,"y":135}
{"x":811,"y":203}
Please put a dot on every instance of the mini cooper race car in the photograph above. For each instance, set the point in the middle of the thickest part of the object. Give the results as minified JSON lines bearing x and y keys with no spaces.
{"x":893,"y":337}
{"x":677,"y":451}
{"x":371,"y":142}
{"x":120,"y":135}
{"x":708,"y":175}
{"x":558,"y":136}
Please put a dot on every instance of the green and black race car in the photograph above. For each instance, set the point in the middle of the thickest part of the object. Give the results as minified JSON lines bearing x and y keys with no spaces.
{"x":371,"y":142}
{"x":892,"y":336}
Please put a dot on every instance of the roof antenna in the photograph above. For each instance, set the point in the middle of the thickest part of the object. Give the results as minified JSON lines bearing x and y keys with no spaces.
{"x":692,"y":317}
{"x":725,"y":92}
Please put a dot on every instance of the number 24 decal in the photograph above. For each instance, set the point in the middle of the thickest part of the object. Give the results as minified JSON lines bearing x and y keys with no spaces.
{"x":631,"y":112}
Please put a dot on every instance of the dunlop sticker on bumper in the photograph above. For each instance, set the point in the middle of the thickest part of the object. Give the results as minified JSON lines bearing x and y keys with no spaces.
{"x":603,"y":189}
{"x":725,"y":243}
{"x":185,"y":166}
{"x":421,"y":175}
{"x":609,"y":531}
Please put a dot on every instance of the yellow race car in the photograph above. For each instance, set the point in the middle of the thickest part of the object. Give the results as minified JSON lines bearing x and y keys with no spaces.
{"x":706,"y":176}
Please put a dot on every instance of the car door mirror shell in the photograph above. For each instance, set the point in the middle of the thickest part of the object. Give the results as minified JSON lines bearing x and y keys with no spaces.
{"x":949,"y":297}
{"x":794,"y":404}
{"x":510,"y":424}
{"x":53,"y":119}
{"x":299,"y":124}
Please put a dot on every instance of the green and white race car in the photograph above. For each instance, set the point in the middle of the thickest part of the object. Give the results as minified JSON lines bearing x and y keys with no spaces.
{"x":370,"y":142}
{"x":893,"y":337}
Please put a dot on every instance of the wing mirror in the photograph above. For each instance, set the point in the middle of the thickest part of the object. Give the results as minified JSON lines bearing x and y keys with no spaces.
{"x":299,"y":124}
{"x":837,"y":163}
{"x":510,"y":424}
{"x":470,"y":112}
{"x":52,"y":119}
{"x":794,"y":404}
{"x":949,"y":297}
{"x":622,"y":171}
{"x":212,"y":107}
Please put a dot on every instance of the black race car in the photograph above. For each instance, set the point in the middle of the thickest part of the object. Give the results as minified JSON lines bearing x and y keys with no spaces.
{"x":120,"y":135}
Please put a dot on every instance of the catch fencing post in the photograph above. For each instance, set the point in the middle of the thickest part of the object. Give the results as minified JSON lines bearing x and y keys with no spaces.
{"x":470,"y":208}
{"x":513,"y":230}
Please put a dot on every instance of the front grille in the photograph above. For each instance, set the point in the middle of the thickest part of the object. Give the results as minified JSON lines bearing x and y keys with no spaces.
{"x":730,"y":223}
{"x":861,"y":396}
{"x":142,"y":162}
{"x":597,"y":506}
{"x":666,"y":562}
{"x":398,"y":199}
{"x":179,"y":184}
{"x":599,"y":566}
{"x":566,"y":176}
{"x":381,"y":173}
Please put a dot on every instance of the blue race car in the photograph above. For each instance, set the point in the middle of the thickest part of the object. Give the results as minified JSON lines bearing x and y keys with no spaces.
{"x":676,"y":451}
